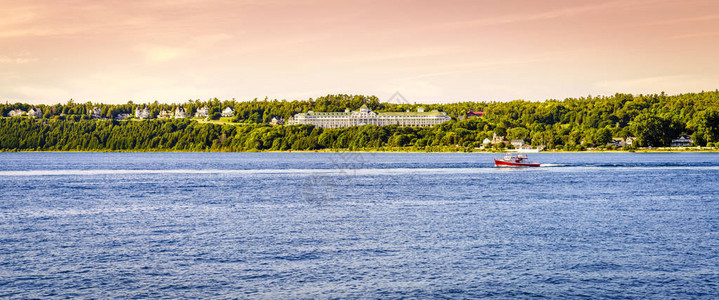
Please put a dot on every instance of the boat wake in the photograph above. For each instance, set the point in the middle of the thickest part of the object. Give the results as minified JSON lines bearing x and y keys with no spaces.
{"x":552,"y":165}
{"x":330,"y":171}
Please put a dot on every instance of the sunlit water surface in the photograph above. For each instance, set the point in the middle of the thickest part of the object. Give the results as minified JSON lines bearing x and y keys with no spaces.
{"x":349,"y":225}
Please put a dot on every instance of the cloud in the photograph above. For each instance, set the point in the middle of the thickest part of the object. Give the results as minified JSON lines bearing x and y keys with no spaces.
{"x":29,"y":21}
{"x":694,"y":35}
{"x":16,"y":60}
{"x":640,"y":81}
{"x":157,"y":53}
{"x":396,"y":54}
{"x":672,"y":84}
{"x":34,"y":32}
{"x":36,"y":93}
{"x":705,"y":18}
{"x":482,"y":66}
{"x":550,"y":14}
{"x":416,"y":89}
{"x":161,"y":53}
{"x":18,"y":15}
{"x":7,"y":76}
{"x":213,"y":39}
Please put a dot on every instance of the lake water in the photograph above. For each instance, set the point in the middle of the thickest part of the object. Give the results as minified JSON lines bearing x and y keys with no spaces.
{"x":351,"y":225}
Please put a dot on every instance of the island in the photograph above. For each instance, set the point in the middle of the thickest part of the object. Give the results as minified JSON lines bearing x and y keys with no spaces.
{"x":621,"y":122}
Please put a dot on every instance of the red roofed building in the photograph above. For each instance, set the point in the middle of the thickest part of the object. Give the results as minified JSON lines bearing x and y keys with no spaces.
{"x":471,"y":113}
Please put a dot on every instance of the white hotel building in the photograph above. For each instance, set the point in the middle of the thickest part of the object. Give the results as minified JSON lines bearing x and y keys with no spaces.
{"x":367,"y":117}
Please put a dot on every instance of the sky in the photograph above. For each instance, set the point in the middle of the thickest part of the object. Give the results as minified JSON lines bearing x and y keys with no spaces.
{"x":114,"y":51}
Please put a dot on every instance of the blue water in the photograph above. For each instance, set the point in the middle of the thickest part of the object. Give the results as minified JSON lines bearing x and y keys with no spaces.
{"x":328,"y":225}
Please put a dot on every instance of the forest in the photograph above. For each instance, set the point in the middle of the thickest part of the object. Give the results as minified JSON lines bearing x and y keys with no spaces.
{"x":572,"y":124}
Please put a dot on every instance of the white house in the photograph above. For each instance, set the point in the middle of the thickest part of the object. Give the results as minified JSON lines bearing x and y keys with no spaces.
{"x":35,"y":113}
{"x":164,"y":114}
{"x":517,"y":143}
{"x":96,"y":113}
{"x":16,"y":113}
{"x":367,"y":117}
{"x":498,"y":139}
{"x":180,"y":113}
{"x":616,"y":142}
{"x":629,"y":140}
{"x":682,"y":141}
{"x":202,"y":112}
{"x":277,"y":121}
{"x":143,"y":113}
{"x":228,"y":112}
{"x":122,"y":117}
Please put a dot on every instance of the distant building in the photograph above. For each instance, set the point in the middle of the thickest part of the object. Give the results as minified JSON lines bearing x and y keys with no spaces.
{"x":517,"y":143}
{"x":620,"y":142}
{"x":122,"y":117}
{"x":143,"y":113}
{"x":164,"y":114}
{"x":180,"y":113}
{"x":496,"y":139}
{"x":471,"y":113}
{"x":616,"y":142}
{"x":367,"y":117}
{"x":16,"y":113}
{"x":277,"y":121}
{"x":228,"y":112}
{"x":96,"y":113}
{"x":682,"y":141}
{"x":486,"y":141}
{"x":35,"y":113}
{"x":528,"y":148}
{"x":628,"y":141}
{"x":203,"y":112}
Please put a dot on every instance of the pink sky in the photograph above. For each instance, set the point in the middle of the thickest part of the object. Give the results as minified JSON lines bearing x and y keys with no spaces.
{"x":430,"y":51}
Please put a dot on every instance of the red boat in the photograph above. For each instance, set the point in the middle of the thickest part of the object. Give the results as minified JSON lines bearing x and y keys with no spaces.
{"x":519,"y":160}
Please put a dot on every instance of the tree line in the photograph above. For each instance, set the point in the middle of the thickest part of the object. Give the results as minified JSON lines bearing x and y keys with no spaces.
{"x":253,"y":111}
{"x":570,"y":124}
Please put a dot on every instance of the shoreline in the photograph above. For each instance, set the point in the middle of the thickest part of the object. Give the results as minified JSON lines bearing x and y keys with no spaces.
{"x":372,"y":151}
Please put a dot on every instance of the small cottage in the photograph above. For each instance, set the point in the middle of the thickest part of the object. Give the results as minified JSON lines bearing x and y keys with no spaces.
{"x":143,"y":113}
{"x":203,"y":112}
{"x":35,"y":113}
{"x":277,"y":121}
{"x":180,"y":113}
{"x":517,"y":143}
{"x":16,"y":113}
{"x":164,"y":114}
{"x":228,"y":112}
{"x":95,"y":113}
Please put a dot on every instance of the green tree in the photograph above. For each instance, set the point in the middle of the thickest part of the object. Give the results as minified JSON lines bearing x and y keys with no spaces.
{"x":650,"y":129}
{"x":602,"y":136}
{"x":708,"y":122}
